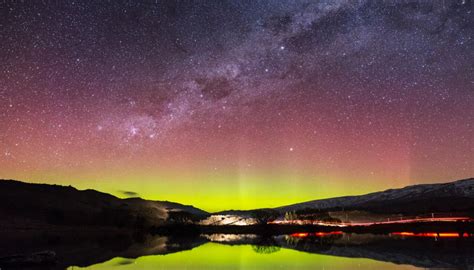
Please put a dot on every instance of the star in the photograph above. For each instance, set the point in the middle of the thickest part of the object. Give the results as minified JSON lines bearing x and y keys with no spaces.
{"x":367,"y":92}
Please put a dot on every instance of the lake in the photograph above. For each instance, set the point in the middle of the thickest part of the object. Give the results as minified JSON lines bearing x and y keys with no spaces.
{"x":296,"y":252}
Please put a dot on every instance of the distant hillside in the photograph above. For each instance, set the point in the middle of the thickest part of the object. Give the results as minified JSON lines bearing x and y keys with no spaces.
{"x":25,"y":205}
{"x":446,"y":197}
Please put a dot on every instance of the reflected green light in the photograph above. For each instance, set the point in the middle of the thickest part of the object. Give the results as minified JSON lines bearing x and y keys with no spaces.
{"x":217,"y":256}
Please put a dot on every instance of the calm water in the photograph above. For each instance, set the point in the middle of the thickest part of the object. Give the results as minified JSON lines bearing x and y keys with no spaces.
{"x":218,"y":256}
{"x":293,"y":252}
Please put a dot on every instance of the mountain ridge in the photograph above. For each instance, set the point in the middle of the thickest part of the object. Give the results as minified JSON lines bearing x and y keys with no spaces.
{"x":463,"y":188}
{"x":32,"y":204}
{"x":35,"y":205}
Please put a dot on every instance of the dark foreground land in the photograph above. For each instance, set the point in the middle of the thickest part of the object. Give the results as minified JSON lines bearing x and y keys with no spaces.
{"x":54,"y":227}
{"x":428,"y":245}
{"x":85,"y":248}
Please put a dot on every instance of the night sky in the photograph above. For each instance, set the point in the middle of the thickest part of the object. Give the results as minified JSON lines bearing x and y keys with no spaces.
{"x":236,"y":104}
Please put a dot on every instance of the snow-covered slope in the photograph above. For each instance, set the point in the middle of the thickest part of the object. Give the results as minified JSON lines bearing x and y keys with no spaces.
{"x":458,"y":194}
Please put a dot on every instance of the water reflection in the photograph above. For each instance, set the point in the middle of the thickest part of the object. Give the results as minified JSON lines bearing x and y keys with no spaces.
{"x":315,"y":250}
{"x":218,"y":256}
{"x":229,"y":251}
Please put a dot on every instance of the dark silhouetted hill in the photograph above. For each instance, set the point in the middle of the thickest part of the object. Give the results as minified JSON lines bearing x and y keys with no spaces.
{"x":457,"y":196}
{"x":25,"y":205}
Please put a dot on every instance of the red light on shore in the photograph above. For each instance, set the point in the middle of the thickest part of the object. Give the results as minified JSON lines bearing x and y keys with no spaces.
{"x":432,"y":234}
{"x":319,"y":234}
{"x":403,"y":233}
{"x":328,"y":233}
{"x":300,"y":234}
{"x":449,"y":235}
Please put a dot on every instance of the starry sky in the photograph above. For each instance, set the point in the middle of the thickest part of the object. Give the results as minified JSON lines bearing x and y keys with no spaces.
{"x":236,"y":104}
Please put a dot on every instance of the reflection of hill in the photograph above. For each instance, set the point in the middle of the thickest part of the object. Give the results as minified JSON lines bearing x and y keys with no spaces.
{"x":419,"y":252}
{"x":428,"y":253}
{"x":86,"y":248}
{"x":425,"y":255}
{"x":308,"y":244}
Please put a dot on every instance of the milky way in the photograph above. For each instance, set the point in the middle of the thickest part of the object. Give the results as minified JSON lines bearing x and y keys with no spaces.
{"x":236,"y":104}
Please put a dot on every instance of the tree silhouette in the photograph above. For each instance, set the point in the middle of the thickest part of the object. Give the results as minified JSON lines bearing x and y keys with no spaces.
{"x":180,"y":217}
{"x":263,"y":216}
